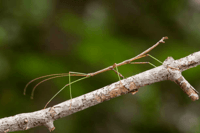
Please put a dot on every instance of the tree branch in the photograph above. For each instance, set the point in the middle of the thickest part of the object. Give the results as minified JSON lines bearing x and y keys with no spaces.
{"x":170,"y":70}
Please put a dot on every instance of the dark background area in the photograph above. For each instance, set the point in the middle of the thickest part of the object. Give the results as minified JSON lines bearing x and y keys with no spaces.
{"x":41,"y":37}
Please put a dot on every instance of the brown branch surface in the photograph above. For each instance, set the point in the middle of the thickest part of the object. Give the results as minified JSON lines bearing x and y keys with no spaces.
{"x":170,"y":70}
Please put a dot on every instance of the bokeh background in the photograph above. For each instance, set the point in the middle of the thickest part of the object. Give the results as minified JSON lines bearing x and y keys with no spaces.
{"x":40,"y":37}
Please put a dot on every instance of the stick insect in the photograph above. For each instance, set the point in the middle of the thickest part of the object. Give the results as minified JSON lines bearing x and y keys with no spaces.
{"x":87,"y":75}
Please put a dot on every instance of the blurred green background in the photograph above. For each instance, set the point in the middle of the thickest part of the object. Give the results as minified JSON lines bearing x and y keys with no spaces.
{"x":40,"y":37}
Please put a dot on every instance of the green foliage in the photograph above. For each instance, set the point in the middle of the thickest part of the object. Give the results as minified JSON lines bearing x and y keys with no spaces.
{"x":40,"y":37}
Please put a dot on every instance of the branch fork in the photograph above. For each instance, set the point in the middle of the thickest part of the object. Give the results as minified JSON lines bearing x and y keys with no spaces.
{"x":170,"y":70}
{"x":176,"y":76}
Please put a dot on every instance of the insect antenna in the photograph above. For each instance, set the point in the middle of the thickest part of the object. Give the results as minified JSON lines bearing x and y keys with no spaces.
{"x":40,"y":78}
{"x":32,"y":93}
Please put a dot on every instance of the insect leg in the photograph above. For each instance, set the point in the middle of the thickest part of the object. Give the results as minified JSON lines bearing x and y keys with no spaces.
{"x":143,"y":63}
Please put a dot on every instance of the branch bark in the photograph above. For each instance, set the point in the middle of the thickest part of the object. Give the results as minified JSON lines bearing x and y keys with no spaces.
{"x":170,"y":70}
